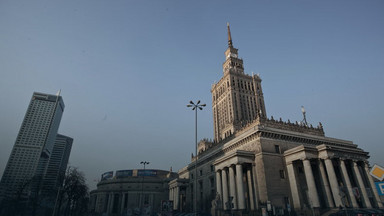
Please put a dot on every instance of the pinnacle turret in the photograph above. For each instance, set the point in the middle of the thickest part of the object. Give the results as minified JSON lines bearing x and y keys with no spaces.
{"x":229,"y":36}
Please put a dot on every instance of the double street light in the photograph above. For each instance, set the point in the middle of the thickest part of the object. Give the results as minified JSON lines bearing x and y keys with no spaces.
{"x":196,"y":107}
{"x":142,"y":186}
{"x":144,"y":163}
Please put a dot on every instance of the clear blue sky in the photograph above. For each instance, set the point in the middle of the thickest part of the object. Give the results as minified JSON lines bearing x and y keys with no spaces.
{"x":128,"y":68}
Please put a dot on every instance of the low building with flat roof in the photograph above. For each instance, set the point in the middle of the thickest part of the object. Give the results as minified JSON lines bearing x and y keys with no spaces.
{"x":130,"y":192}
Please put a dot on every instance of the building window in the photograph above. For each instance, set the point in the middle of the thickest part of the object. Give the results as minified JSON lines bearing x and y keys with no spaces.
{"x":277,"y":149}
{"x":201,"y":172}
{"x":212,"y":168}
{"x":191,"y":176}
{"x":300,"y":169}
{"x":282,"y":175}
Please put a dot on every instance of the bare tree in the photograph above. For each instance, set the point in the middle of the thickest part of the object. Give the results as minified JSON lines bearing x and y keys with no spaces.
{"x":73,"y":196}
{"x":16,"y":204}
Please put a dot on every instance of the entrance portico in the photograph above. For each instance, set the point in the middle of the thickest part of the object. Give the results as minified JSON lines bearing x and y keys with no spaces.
{"x":234,"y":180}
{"x":333,"y":174}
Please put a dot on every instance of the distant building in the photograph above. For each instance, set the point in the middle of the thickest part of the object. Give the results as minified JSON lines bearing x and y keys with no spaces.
{"x":256,"y":163}
{"x":57,"y":166}
{"x":38,"y":159}
{"x":34,"y":143}
{"x":131,"y":192}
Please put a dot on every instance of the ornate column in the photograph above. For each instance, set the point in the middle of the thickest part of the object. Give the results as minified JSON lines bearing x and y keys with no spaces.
{"x":312,"y":191}
{"x":97,"y":201}
{"x":232,"y":186}
{"x":373,"y":187}
{"x":218,"y":185}
{"x":225,"y":188}
{"x":172,"y":196}
{"x":293,"y":185}
{"x":250,"y":190}
{"x":333,"y":181}
{"x":108,"y":203}
{"x":360,"y":182}
{"x":348,"y":184}
{"x":176,"y":198}
{"x":255,"y":184}
{"x":122,"y":195}
{"x":326,"y":185}
{"x":240,"y":186}
{"x":112,"y":196}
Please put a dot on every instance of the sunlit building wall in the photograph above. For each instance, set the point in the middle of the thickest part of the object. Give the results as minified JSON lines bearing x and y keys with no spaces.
{"x":257,"y":163}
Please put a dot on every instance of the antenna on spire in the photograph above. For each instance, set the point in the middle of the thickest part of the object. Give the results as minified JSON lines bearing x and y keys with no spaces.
{"x":58,"y":93}
{"x":304,"y":121}
{"x":229,"y":36}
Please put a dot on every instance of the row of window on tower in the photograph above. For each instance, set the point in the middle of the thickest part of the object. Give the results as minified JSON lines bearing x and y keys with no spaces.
{"x":241,"y":84}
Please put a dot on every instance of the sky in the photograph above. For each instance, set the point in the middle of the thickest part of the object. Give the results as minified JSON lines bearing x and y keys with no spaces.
{"x":128,"y":68}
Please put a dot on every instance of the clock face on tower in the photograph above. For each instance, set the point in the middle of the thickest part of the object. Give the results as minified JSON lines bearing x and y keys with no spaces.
{"x":232,"y":55}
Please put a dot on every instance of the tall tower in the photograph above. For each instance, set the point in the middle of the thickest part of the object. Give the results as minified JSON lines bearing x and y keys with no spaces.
{"x":57,"y":163}
{"x":237,"y":98}
{"x":29,"y":158}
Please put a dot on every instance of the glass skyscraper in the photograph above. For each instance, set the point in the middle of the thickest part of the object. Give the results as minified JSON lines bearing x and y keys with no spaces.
{"x":33,"y":147}
{"x":57,"y":165}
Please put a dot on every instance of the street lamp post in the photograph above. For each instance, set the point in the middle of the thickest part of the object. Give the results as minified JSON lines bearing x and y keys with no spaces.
{"x":59,"y":190}
{"x":195,"y":107}
{"x":142,"y":187}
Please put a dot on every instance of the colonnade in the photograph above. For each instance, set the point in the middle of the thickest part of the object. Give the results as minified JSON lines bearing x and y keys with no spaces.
{"x":120,"y":202}
{"x":174,"y":195}
{"x":231,"y":185}
{"x":330,"y":183}
{"x":109,"y":202}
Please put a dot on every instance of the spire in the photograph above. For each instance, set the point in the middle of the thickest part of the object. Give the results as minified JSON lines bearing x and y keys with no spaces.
{"x":229,"y":36}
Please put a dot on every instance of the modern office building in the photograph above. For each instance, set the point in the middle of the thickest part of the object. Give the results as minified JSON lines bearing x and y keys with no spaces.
{"x":33,"y":148}
{"x":57,"y":166}
{"x":257,"y":163}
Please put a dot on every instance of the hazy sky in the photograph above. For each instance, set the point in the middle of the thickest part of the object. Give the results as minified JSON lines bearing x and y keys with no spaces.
{"x":127,"y":69}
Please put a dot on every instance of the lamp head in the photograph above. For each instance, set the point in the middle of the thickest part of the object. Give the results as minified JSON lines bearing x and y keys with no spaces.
{"x":302,"y":109}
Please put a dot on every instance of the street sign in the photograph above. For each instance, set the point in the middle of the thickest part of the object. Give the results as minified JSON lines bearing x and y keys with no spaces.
{"x":377,"y":172}
{"x":380,"y":188}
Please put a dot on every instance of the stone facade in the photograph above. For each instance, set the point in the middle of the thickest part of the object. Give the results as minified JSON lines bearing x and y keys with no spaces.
{"x":131,"y":192}
{"x":255,"y":162}
{"x":237,"y":98}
